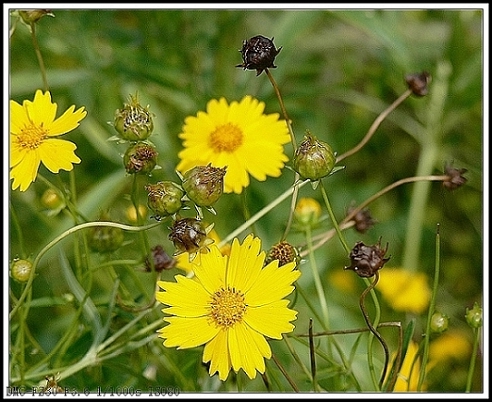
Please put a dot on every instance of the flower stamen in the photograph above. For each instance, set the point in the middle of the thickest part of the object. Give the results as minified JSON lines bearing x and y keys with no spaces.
{"x":31,"y":136}
{"x":226,"y":138}
{"x":228,"y":307}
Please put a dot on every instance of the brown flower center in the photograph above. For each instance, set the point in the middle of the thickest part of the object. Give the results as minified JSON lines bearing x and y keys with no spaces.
{"x":228,"y":307}
{"x":31,"y":136}
{"x":226,"y":138}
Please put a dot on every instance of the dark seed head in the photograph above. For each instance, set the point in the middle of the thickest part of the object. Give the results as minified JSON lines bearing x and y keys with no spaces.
{"x":258,"y":54}
{"x":367,"y":260}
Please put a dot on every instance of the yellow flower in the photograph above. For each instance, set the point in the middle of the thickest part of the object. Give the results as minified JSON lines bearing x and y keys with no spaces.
{"x":32,"y":130}
{"x":408,"y":376}
{"x":451,"y":345}
{"x":230,"y":306}
{"x":237,"y":136}
{"x":405,"y":291}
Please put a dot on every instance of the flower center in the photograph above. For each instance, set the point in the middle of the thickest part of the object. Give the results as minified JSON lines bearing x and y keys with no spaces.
{"x":228,"y":307}
{"x":31,"y":136}
{"x":226,"y":138}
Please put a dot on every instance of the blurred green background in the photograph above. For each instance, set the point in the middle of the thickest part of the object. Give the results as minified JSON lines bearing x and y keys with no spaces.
{"x":337,"y":70}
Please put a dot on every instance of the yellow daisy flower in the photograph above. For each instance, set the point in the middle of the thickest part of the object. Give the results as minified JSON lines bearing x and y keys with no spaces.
{"x":230,"y":305}
{"x":237,"y":136}
{"x":32,"y":130}
{"x":405,"y":291}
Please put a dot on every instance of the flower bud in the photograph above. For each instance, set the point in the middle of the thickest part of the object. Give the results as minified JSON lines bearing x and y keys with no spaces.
{"x":439,"y":322}
{"x":367,"y":260}
{"x":204,"y":184}
{"x":418,"y":83}
{"x":20,"y":270}
{"x":133,"y":122}
{"x":307,"y":211}
{"x":258,"y":54}
{"x":104,"y":239}
{"x":189,"y":235}
{"x":33,"y":16}
{"x":162,"y":260}
{"x":284,"y":252}
{"x":455,"y":178}
{"x":53,"y":201}
{"x":363,"y":220}
{"x":164,"y":198}
{"x":474,"y":317}
{"x":313,"y":159}
{"x":140,"y":158}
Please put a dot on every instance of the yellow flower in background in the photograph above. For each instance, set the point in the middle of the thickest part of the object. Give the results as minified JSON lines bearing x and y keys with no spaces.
{"x":448,"y":346}
{"x":237,"y":136}
{"x":405,"y":291}
{"x":231,"y":305}
{"x":408,"y":377}
{"x":32,"y":130}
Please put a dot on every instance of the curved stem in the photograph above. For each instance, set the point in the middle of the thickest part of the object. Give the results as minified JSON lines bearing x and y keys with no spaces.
{"x":61,"y":237}
{"x":373,"y":329}
{"x":375,"y":125}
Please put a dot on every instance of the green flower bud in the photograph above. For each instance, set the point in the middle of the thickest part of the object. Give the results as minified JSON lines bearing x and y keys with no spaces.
{"x":474,"y":317}
{"x":164,"y":198}
{"x":314,"y":159}
{"x":20,"y":270}
{"x":439,"y":322}
{"x":140,"y":158}
{"x":133,"y":122}
{"x":189,"y":235}
{"x":104,"y":239}
{"x":204,"y":184}
{"x":307,"y":211}
{"x":53,"y":201}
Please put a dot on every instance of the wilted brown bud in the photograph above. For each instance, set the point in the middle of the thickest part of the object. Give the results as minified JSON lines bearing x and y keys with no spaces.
{"x":418,"y":83}
{"x":258,"y":54}
{"x":455,"y":178}
{"x":140,"y":158}
{"x":367,"y":260}
{"x":363,"y":220}
{"x":189,"y":235}
{"x":162,"y":260}
{"x":284,"y":252}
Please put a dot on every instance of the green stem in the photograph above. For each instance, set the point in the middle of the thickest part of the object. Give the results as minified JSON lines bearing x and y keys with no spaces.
{"x":39,"y":56}
{"x":261,"y":213}
{"x":334,"y":220}
{"x":473,"y":359}
{"x":61,"y":237}
{"x":432,"y":306}
{"x":430,"y":152}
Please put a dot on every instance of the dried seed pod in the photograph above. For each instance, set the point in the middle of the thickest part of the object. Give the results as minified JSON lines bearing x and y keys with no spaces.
{"x":164,"y":198}
{"x":284,"y":252}
{"x":418,"y":83}
{"x":134,"y":122}
{"x":455,"y":178}
{"x":162,"y":260}
{"x":258,"y":54}
{"x":140,"y":158}
{"x":189,"y":235}
{"x":367,"y":260}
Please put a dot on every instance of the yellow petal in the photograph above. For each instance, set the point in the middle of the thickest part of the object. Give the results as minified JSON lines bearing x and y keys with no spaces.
{"x":58,"y":154}
{"x":271,"y":320}
{"x":41,"y":111}
{"x":67,"y":122}
{"x":187,"y":332}
{"x":186,"y":296}
{"x":25,"y":172}
{"x":217,"y":353}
